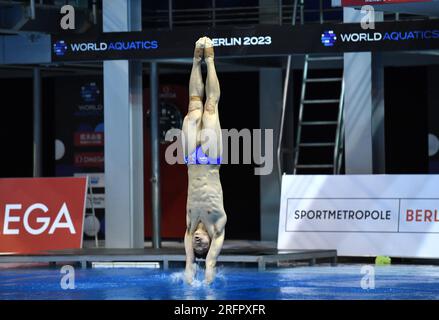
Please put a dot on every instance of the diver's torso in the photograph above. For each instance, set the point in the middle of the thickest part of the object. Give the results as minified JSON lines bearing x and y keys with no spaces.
{"x":205,"y":196}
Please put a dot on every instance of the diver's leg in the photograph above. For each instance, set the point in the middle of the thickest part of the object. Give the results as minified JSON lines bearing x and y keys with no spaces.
{"x":192,"y":121}
{"x":210,"y":122}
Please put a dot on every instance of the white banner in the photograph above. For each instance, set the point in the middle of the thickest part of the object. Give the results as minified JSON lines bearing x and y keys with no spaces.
{"x":361,"y":215}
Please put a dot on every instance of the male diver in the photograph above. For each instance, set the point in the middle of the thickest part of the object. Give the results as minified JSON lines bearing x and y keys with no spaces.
{"x":202,"y":143}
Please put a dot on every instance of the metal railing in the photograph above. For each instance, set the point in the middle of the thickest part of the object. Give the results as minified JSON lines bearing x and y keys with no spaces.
{"x":397,"y":16}
{"x":46,"y":4}
{"x":214,"y":15}
{"x":279,"y":14}
{"x":245,"y":15}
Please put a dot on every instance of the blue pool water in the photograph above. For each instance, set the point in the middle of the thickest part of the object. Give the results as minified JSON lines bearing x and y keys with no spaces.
{"x":319,"y":282}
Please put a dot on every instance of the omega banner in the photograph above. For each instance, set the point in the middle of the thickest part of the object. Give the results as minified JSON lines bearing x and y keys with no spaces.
{"x":266,"y":40}
{"x":361,"y":215}
{"x":40,"y":214}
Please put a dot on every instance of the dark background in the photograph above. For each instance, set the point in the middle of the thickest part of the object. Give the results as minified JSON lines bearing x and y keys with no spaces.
{"x":406,"y":120}
{"x":16,"y":128}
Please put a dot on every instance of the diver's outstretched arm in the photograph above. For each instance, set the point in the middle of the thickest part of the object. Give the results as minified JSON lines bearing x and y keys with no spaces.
{"x":190,"y":257}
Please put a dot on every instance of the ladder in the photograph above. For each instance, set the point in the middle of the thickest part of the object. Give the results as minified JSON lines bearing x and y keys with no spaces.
{"x":326,"y":155}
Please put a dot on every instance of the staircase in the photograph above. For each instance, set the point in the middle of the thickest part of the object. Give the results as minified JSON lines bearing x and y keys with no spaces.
{"x":318,"y":114}
{"x":320,"y":132}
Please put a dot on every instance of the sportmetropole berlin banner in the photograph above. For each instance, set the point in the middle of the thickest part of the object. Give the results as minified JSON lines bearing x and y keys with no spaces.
{"x":260,"y":40}
{"x":370,"y":2}
{"x":40,"y":214}
{"x":361,"y":215}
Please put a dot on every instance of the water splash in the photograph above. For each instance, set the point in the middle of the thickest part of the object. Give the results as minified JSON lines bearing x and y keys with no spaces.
{"x":198,"y":282}
{"x":220,"y":275}
{"x":177,"y":277}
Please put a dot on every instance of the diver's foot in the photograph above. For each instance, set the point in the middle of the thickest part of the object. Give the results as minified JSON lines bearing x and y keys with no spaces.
{"x":208,"y":49}
{"x":199,"y":50}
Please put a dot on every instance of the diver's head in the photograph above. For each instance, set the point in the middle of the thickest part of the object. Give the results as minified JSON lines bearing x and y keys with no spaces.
{"x":201,"y":242}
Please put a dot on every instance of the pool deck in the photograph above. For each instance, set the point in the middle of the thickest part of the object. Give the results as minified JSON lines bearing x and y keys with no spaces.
{"x":242,"y":252}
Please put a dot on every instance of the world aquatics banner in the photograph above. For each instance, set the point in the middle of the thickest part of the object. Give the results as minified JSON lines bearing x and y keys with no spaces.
{"x":260,"y":40}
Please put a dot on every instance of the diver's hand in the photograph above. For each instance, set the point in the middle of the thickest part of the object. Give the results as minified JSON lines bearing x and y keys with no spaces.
{"x":189,"y":274}
{"x":210,"y":275}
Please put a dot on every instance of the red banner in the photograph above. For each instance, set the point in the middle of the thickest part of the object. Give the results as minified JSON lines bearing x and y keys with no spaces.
{"x":370,"y":2}
{"x":40,"y":214}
